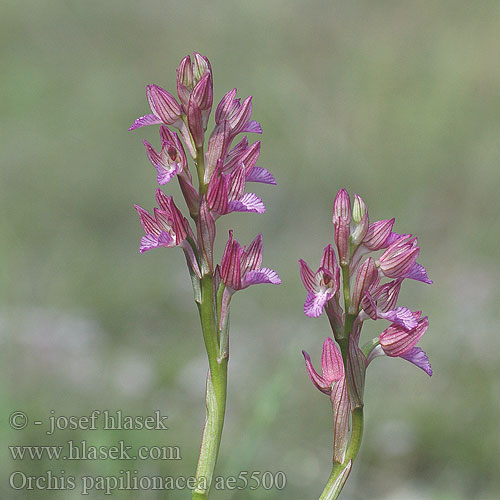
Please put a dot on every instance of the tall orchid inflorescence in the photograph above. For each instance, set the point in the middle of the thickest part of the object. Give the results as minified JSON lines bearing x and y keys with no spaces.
{"x":222,"y":171}
{"x":352,"y":286}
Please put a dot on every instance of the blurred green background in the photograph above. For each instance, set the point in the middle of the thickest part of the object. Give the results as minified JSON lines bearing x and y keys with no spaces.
{"x":397,"y":101}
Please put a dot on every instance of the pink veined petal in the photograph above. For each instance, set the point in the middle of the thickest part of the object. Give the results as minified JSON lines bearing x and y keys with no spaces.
{"x":401,"y":316}
{"x":235,"y":153}
{"x":392,"y":238}
{"x":418,"y":272}
{"x":386,"y":295}
{"x":369,"y":305}
{"x":165,"y":240}
{"x":250,"y":156}
{"x":195,"y":122}
{"x":148,"y":223}
{"x":328,"y":260}
{"x":418,"y":357}
{"x":342,"y":206}
{"x":217,"y":193}
{"x":396,"y":341}
{"x":313,"y":306}
{"x":217,"y":146}
{"x":318,"y":381}
{"x":163,"y":201}
{"x":332,"y":365}
{"x":164,"y":176}
{"x":308,"y":277}
{"x":163,"y":104}
{"x":236,"y":183}
{"x":249,"y":202}
{"x":378,"y":233}
{"x":259,"y":174}
{"x":253,"y":255}
{"x":341,"y":237}
{"x":231,"y":263}
{"x":144,"y":121}
{"x":225,"y":106}
{"x":148,"y":242}
{"x":163,"y":220}
{"x":252,"y":127}
{"x":239,"y":118}
{"x":264,"y":275}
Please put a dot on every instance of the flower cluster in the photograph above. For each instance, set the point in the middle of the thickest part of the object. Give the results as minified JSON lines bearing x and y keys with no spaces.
{"x":223,"y":171}
{"x":354,"y":285}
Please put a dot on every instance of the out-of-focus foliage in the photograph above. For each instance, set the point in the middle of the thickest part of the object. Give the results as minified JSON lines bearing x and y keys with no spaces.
{"x":397,"y":101}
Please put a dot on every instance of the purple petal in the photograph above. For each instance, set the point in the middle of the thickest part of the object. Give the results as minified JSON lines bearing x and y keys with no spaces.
{"x":148,"y":242}
{"x":401,"y":316}
{"x":145,"y":120}
{"x":378,"y":233}
{"x":253,"y":127}
{"x":308,"y":277}
{"x":264,"y":275}
{"x":418,"y":357}
{"x":148,"y":223}
{"x":313,"y":306}
{"x":328,"y":261}
{"x":392,"y":238}
{"x":253,"y":255}
{"x":165,"y":240}
{"x":319,"y":382}
{"x":249,"y":202}
{"x":396,"y":341}
{"x":259,"y":174}
{"x":418,"y":272}
{"x":332,"y":365}
{"x":164,"y":176}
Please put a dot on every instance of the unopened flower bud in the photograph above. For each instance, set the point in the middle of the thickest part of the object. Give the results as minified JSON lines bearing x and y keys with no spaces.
{"x":360,"y":230}
{"x":341,"y":237}
{"x":342,"y":206}
{"x":358,"y":209}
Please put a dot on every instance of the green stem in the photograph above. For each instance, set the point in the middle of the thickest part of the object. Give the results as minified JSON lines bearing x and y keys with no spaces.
{"x":200,"y":167}
{"x":341,"y":471}
{"x":215,"y":393}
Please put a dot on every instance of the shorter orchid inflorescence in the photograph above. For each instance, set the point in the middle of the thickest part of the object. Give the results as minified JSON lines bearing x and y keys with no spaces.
{"x":354,"y":286}
{"x":223,"y":172}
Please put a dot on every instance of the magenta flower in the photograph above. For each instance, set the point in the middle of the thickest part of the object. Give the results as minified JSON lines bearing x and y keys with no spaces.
{"x":237,"y":114}
{"x":398,"y":341}
{"x":332,"y":367}
{"x":321,"y":285}
{"x":243,"y":154}
{"x":226,"y":194}
{"x":222,"y":171}
{"x":332,"y":381}
{"x":351,"y":292}
{"x":241,"y":266}
{"x":171,"y":160}
{"x":168,"y":228}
